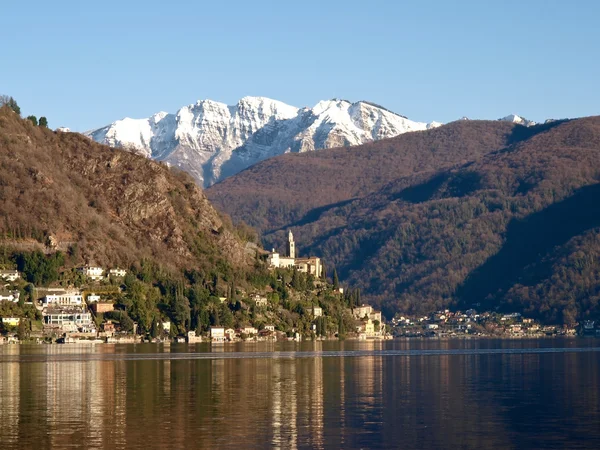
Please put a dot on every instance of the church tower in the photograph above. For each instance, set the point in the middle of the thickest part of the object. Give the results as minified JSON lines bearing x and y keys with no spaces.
{"x":291,"y":246}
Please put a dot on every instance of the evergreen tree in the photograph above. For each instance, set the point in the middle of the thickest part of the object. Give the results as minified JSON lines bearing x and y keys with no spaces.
{"x":336,"y":281}
{"x":43,"y":122}
{"x":33,"y":120}
{"x":10,"y":102}
{"x":22,"y":331}
{"x":154,"y":328}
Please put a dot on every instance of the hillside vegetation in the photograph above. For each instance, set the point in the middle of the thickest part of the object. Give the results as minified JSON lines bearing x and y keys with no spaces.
{"x":502,"y":217}
{"x":297,"y":187}
{"x":66,"y":201}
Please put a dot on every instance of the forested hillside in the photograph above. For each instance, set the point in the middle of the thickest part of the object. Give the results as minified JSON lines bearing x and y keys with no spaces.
{"x":514,"y":225}
{"x":66,"y":201}
{"x":297,"y":187}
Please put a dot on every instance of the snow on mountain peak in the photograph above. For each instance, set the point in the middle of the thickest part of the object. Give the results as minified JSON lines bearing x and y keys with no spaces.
{"x":212,"y":140}
{"x":518,"y":120}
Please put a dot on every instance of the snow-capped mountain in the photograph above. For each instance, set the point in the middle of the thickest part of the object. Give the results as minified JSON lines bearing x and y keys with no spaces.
{"x":212,"y":140}
{"x":519,"y":120}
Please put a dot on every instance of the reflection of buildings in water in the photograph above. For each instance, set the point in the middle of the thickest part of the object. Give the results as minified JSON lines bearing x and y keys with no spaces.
{"x":369,"y":374}
{"x":284,"y":404}
{"x":342,"y":400}
{"x":316,"y":404}
{"x":119,"y":391}
{"x":311,"y":397}
{"x":67,"y":402}
{"x":10,"y":395}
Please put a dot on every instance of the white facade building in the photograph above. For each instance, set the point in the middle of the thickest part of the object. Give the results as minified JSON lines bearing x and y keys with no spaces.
{"x":9,"y":296}
{"x":118,"y":273}
{"x":310,"y":265}
{"x":75,"y":317}
{"x":92,"y":298}
{"x":63,"y":298}
{"x":9,"y":275}
{"x":217,"y":334}
{"x":94,"y":272}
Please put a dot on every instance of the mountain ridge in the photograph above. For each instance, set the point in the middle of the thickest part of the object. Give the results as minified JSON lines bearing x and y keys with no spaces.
{"x":212,"y":140}
{"x":442,"y":233}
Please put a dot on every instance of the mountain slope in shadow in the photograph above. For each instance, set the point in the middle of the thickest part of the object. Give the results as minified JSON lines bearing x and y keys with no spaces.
{"x":529,"y":240}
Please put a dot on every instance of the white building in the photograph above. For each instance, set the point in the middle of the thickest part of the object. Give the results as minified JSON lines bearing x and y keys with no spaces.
{"x":230,"y":334}
{"x":9,"y":296}
{"x":192,"y":338}
{"x":69,"y":318}
{"x":217,"y":334}
{"x":270,"y":328}
{"x":93,"y":272}
{"x":9,"y":275}
{"x":63,"y":298}
{"x":310,"y":265}
{"x":360,"y":312}
{"x":92,"y":298}
{"x":249,"y":331}
{"x":259,"y":300}
{"x":11,"y":321}
{"x":317,"y":311}
{"x":117,"y":273}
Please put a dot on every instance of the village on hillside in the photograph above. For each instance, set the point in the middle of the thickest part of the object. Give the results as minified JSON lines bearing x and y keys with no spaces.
{"x":91,"y":313}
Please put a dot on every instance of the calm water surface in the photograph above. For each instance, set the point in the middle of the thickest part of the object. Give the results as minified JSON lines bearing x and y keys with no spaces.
{"x":395,"y":394}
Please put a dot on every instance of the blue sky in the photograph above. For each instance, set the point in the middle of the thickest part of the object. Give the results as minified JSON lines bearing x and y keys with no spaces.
{"x":85,"y":64}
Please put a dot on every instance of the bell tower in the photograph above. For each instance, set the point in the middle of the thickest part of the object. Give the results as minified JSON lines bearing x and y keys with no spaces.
{"x":291,"y":246}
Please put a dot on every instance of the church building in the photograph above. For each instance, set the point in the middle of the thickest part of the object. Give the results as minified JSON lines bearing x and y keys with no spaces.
{"x":310,"y":265}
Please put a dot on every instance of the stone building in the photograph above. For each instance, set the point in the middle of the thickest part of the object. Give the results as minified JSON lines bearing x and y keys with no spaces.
{"x":310,"y":265}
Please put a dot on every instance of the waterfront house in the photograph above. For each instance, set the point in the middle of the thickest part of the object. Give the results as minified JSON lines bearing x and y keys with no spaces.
{"x":192,"y":338}
{"x":270,"y":328}
{"x":69,"y":318}
{"x":217,"y":334}
{"x":249,"y":331}
{"x":230,"y":334}
{"x":109,"y":327}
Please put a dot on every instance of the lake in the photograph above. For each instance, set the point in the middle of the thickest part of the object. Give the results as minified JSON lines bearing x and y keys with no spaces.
{"x":395,"y":394}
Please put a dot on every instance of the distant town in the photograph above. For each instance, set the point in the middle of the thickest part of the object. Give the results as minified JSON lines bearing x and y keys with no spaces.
{"x":87,"y":314}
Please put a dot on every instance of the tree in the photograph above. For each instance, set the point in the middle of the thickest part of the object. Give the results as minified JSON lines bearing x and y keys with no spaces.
{"x":22,"y":331}
{"x":10,"y":102}
{"x":154,"y":331}
{"x":33,"y":120}
{"x":336,"y":281}
{"x":43,"y":122}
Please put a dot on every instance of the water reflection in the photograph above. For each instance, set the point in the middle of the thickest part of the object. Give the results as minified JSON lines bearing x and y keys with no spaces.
{"x":524,"y":400}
